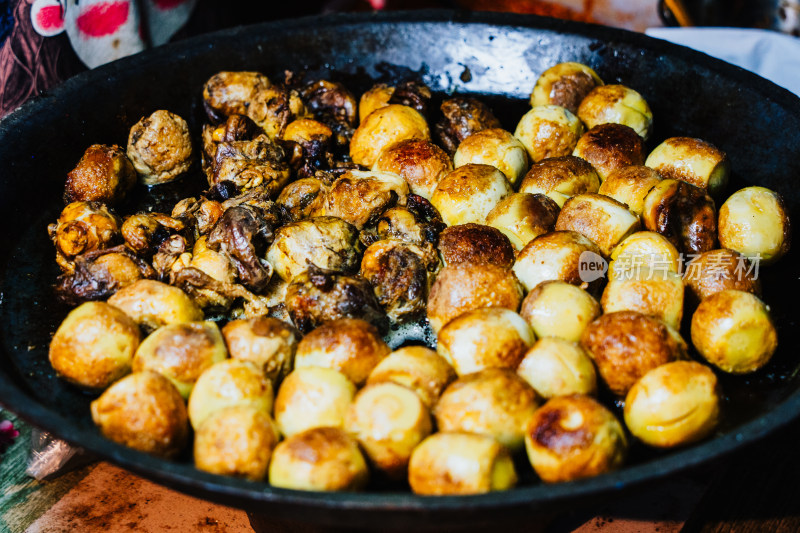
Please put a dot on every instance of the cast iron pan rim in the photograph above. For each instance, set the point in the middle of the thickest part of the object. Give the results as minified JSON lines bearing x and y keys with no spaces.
{"x":245,"y":493}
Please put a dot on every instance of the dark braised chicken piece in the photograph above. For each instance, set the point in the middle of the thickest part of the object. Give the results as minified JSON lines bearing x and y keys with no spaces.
{"x":301,"y":199}
{"x":333,"y":105}
{"x":251,"y":163}
{"x":462,"y":117}
{"x":417,"y":223}
{"x":412,"y":93}
{"x":235,"y":128}
{"x":83,"y":227}
{"x":101,"y":273}
{"x":210,"y":293}
{"x":360,"y":197}
{"x":160,"y":147}
{"x":144,"y":232}
{"x":308,"y":143}
{"x":200,"y":214}
{"x":172,"y":256}
{"x":317,"y":296}
{"x":104,"y":174}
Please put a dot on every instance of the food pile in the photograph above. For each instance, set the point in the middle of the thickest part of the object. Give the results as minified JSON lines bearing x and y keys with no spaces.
{"x":553,"y":264}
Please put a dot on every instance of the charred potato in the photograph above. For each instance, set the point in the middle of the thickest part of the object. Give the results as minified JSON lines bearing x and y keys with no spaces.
{"x":733,"y":331}
{"x":754,"y":221}
{"x":490,"y":337}
{"x":555,"y":255}
{"x":104,"y":174}
{"x":463,"y":117}
{"x":691,"y":160}
{"x":143,"y":411}
{"x":153,"y":304}
{"x":565,"y":84}
{"x":630,"y":185}
{"x":384,"y":127}
{"x":312,"y":397}
{"x":650,"y":291}
{"x":418,"y":368}
{"x":361,"y":197}
{"x":717,"y":270}
{"x":319,"y":459}
{"x":475,"y":244}
{"x":495,"y":147}
{"x":616,"y":104}
{"x":81,"y":228}
{"x":420,"y":163}
{"x":469,"y":193}
{"x":548,"y":131}
{"x":268,"y":342}
{"x":560,"y":178}
{"x":600,"y":218}
{"x":609,"y":147}
{"x":160,"y":147}
{"x":559,"y":309}
{"x":522,"y":217}
{"x":574,"y":437}
{"x":558,"y":367}
{"x":94,"y":346}
{"x":682,"y":213}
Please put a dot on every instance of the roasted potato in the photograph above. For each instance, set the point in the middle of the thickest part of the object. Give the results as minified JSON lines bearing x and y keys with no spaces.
{"x":683,"y":213}
{"x":376,"y":97}
{"x":312,"y":397}
{"x":160,"y":147}
{"x":360,"y":197}
{"x":475,"y":244}
{"x":565,"y":84}
{"x":754,"y":221}
{"x":104,"y":174}
{"x":559,"y":309}
{"x":691,"y":160}
{"x":382,"y":128}
{"x":645,"y":249}
{"x":558,"y":367}
{"x":268,"y":342}
{"x":616,"y":104}
{"x":717,"y":270}
{"x":153,"y":304}
{"x":418,"y":368}
{"x":522,"y":217}
{"x":469,"y":193}
{"x":609,"y":147}
{"x":561,"y":178}
{"x":650,"y":291}
{"x":495,"y":147}
{"x":548,"y":131}
{"x":556,"y":255}
{"x":602,"y":219}
{"x":630,"y":185}
{"x":420,"y":163}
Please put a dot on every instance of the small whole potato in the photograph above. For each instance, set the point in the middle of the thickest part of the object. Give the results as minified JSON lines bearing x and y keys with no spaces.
{"x":153,"y":304}
{"x":418,"y":368}
{"x":226,"y":384}
{"x":384,"y":127}
{"x":565,"y":84}
{"x":556,"y":256}
{"x":455,"y":463}
{"x":617,"y":104}
{"x":754,"y":221}
{"x":522,"y":217}
{"x":160,"y":147}
{"x":181,"y":352}
{"x":495,"y":147}
{"x":692,"y":160}
{"x":649,"y":291}
{"x":495,"y":402}
{"x":389,"y":421}
{"x":560,"y":178}
{"x":143,"y":411}
{"x":469,"y":193}
{"x":558,"y":367}
{"x":630,"y":185}
{"x":268,"y":342}
{"x":463,"y":287}
{"x":421,"y":163}
{"x":673,"y":405}
{"x":318,"y":459}
{"x":360,"y":197}
{"x":645,"y":249}
{"x":602,"y":219}
{"x":378,"y":96}
{"x":717,"y":270}
{"x":573,"y":437}
{"x":490,"y":337}
{"x":350,"y":345}
{"x":104,"y":174}
{"x":298,"y":406}
{"x":559,"y":309}
{"x":94,"y":346}
{"x":733,"y":331}
{"x":609,"y":147}
{"x":475,"y":244}
{"x":83,"y":227}
{"x":236,"y":441}
{"x":682,"y":213}
{"x":548,"y":131}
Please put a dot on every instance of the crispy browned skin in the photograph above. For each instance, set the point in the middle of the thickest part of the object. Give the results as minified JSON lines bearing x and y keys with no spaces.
{"x":301,"y":199}
{"x":83,"y":227}
{"x":600,"y":218}
{"x":611,"y":146}
{"x":570,"y":89}
{"x":475,"y":243}
{"x":185,"y":352}
{"x":699,"y":148}
{"x":682,"y":213}
{"x":463,"y":117}
{"x":331,"y":449}
{"x":626,"y":344}
{"x":717,"y":270}
{"x":251,"y":163}
{"x":104,"y":174}
{"x":421,"y":163}
{"x":268,"y":342}
{"x":228,"y":93}
{"x":549,"y":173}
{"x":360,"y":200}
{"x":630,"y":185}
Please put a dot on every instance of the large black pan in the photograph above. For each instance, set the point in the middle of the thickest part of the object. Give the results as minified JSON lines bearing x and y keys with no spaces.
{"x":754,"y":121}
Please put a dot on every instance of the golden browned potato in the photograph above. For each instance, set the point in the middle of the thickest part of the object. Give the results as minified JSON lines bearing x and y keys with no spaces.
{"x":463,"y":287}
{"x":215,"y":264}
{"x":460,"y":463}
{"x":523,"y":217}
{"x":378,"y":96}
{"x":733,"y":331}
{"x":616,"y":104}
{"x":495,"y":147}
{"x":476,"y":244}
{"x":717,"y":270}
{"x":495,"y":402}
{"x":420,"y":162}
{"x":349,"y":345}
{"x":692,"y":160}
{"x":307,"y":130}
{"x":556,"y":308}
{"x":418,"y":368}
{"x":94,"y":346}
{"x":226,"y":384}
{"x":268,"y":342}
{"x":360,"y":197}
{"x":319,"y":459}
{"x":468,"y":194}
{"x":548,"y":131}
{"x":651,"y":291}
{"x":490,"y":337}
{"x":674,"y":404}
{"x":573,"y":437}
{"x":754,"y":221}
{"x":558,"y":367}
{"x":630,"y":185}
{"x":555,"y":255}
{"x":160,"y":147}
{"x":645,"y":249}
{"x":104,"y":174}
{"x":236,"y":441}
{"x":83,"y":227}
{"x":153,"y":304}
{"x":565,"y":84}
{"x":181,"y":352}
{"x":609,"y":147}
{"x":384,"y":127}
{"x":625,"y":345}
{"x":602,"y":219}
{"x":389,"y":421}
{"x":304,"y":198}
{"x":327,"y":242}
{"x":312,"y":397}
{"x":561,"y":178}
{"x":682,"y":213}
{"x":143,"y":411}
